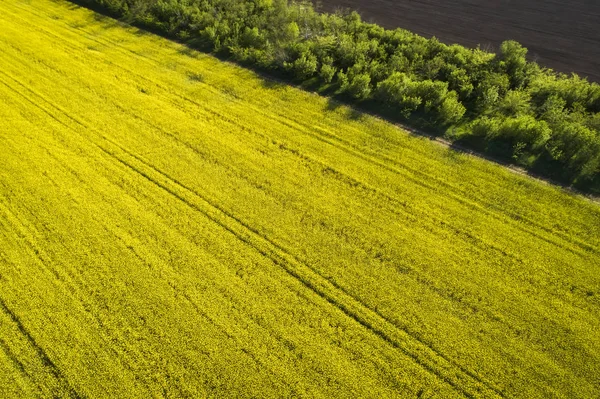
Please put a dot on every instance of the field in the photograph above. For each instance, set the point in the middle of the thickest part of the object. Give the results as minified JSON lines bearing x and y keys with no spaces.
{"x":559,"y":34}
{"x":172,"y":225}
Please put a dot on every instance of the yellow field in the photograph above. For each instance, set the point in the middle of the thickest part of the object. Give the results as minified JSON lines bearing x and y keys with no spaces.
{"x":175,"y":226}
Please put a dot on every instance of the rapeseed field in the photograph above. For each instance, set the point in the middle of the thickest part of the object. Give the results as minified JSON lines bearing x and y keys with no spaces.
{"x":172,"y":225}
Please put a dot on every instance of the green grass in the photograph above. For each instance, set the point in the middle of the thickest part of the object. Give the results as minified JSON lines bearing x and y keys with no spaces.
{"x":175,"y":226}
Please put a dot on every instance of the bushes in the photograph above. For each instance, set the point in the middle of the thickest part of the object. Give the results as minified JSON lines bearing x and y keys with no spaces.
{"x":429,"y":97}
{"x":359,"y":86}
{"x":303,"y":67}
{"x":513,"y":63}
{"x":548,"y":115}
{"x":396,"y":91}
{"x":528,"y":132}
{"x":450,"y":110}
{"x":327,"y":73}
{"x":578,"y":147}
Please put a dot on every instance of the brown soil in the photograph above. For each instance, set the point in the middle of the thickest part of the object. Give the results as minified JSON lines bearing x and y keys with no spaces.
{"x":563,"y":35}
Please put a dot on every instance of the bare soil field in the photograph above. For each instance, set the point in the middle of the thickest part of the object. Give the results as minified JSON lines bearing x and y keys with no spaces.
{"x":562,"y":35}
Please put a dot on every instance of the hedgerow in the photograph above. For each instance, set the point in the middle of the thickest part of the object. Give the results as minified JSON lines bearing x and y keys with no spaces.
{"x":502,"y":103}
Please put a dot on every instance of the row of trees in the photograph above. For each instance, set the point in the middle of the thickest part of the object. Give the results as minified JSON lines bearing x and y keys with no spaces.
{"x":501,"y":102}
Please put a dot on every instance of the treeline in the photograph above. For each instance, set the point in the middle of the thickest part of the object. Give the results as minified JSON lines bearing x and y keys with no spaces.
{"x":499,"y":103}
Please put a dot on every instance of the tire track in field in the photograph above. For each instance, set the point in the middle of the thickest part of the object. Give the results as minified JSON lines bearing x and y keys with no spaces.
{"x":350,"y":148}
{"x":369,"y":156}
{"x":16,"y":362}
{"x":435,"y":289}
{"x":52,"y":368}
{"x":465,"y":381}
{"x":248,"y":353}
{"x":68,"y":282}
{"x":345,"y":302}
{"x":466,"y":236}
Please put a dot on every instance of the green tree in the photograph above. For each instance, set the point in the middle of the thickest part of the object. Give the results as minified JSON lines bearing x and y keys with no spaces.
{"x":359,"y":86}
{"x":450,"y":110}
{"x":327,"y":72}
{"x":513,"y":61}
{"x":303,"y":67}
{"x":514,"y":103}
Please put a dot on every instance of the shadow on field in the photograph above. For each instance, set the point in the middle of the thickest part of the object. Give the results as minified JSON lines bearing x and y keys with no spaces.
{"x":271,"y":83}
{"x":352,"y":113}
{"x":332,"y":104}
{"x":105,"y":20}
{"x":546,"y":170}
{"x":188,"y":52}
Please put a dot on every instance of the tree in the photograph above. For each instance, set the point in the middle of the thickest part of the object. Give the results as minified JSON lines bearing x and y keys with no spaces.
{"x":514,"y":103}
{"x":578,"y":147}
{"x":450,"y":110}
{"x":359,"y":86}
{"x":397,"y":92}
{"x":303,"y":67}
{"x":513,"y":61}
{"x":327,"y":72}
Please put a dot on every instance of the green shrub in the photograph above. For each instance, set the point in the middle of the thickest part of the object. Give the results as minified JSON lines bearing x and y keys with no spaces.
{"x":327,"y":73}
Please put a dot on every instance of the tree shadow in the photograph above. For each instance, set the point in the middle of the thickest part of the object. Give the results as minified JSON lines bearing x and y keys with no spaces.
{"x":354,"y":114}
{"x":352,"y":111}
{"x":543,"y":168}
{"x":188,"y":52}
{"x":74,"y":5}
{"x":108,"y":22}
{"x":332,"y":104}
{"x":143,"y":30}
{"x":272,"y":84}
